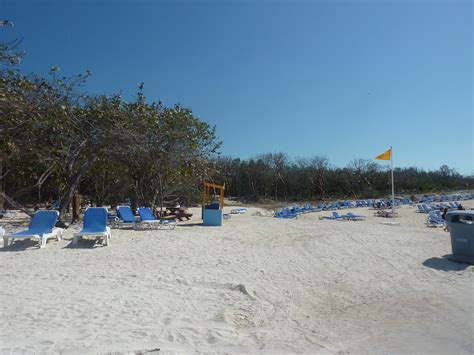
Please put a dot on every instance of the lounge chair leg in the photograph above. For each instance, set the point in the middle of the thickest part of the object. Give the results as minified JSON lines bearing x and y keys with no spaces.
{"x":42,"y":241}
{"x":5,"y":242}
{"x":59,"y":234}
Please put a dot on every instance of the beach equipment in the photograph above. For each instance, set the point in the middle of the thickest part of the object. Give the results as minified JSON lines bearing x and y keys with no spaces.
{"x":309,"y":208}
{"x":95,"y":225}
{"x":354,"y":217}
{"x":125,"y":217}
{"x":182,"y":213}
{"x":212,"y":211}
{"x":421,"y":209}
{"x":461,"y":228}
{"x":285,"y":213}
{"x":147,"y":217}
{"x":335,"y":216}
{"x":389,"y":156}
{"x":42,"y":227}
{"x":434,"y":219}
{"x":238,"y":211}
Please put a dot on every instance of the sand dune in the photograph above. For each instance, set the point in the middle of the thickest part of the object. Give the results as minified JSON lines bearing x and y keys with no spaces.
{"x":257,"y":284}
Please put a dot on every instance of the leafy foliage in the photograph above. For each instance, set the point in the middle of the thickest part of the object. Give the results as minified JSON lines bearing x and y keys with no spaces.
{"x":54,"y":136}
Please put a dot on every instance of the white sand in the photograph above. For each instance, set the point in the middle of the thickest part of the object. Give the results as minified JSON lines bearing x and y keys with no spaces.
{"x":257,"y":284}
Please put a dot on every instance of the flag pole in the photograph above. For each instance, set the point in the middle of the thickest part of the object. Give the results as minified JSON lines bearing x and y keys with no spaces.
{"x":393,"y":187}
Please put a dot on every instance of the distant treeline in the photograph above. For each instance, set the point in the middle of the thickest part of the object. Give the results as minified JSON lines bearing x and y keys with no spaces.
{"x":274,"y":176}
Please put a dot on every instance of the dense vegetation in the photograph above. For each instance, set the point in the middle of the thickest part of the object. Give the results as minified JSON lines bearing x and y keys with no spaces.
{"x":55,"y":142}
{"x":275,"y":176}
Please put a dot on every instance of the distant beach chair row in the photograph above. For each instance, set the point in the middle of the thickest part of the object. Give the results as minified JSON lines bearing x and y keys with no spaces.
{"x":294,"y":211}
{"x":427,"y":208}
{"x":446,"y":198}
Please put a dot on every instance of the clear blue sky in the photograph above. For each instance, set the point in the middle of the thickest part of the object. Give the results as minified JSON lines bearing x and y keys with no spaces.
{"x":343,"y":79}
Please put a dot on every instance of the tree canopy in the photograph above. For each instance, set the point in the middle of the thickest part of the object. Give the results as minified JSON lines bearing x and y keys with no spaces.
{"x":56,"y":139}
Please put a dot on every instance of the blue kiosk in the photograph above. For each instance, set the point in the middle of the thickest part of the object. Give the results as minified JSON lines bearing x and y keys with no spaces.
{"x":212,"y":211}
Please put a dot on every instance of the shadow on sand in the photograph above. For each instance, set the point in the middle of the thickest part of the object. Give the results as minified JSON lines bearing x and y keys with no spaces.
{"x":443,"y":264}
{"x":85,"y":244}
{"x":21,"y":245}
{"x":191,"y":225}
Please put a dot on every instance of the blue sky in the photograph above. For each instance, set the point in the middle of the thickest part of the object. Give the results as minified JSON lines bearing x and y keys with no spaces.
{"x":343,"y":79}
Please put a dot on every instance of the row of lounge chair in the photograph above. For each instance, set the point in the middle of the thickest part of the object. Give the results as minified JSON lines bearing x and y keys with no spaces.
{"x":446,"y":198}
{"x":426,"y":208}
{"x":294,"y":211}
{"x":125,"y":217}
{"x":435,"y":219}
{"x":43,"y":225}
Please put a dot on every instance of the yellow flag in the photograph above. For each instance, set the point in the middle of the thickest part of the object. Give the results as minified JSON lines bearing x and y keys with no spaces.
{"x":384,"y":156}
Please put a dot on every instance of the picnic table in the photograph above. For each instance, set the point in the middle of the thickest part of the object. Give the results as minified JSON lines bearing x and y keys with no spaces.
{"x":179,"y":213}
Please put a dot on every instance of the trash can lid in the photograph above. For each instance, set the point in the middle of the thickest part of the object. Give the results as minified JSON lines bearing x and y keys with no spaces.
{"x":460,"y":215}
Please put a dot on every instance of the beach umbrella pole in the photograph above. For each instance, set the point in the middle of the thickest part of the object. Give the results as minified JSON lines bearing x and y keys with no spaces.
{"x":393,"y":185}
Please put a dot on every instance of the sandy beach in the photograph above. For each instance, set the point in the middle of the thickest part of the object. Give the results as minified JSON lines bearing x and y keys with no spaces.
{"x":256,"y":284}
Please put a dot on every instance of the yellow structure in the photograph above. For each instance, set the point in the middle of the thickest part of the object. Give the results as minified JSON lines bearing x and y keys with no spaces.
{"x":209,"y":192}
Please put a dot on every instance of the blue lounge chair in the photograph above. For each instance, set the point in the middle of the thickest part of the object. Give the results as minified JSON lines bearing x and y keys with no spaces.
{"x":423,"y":208}
{"x":42,"y":227}
{"x":354,"y":217}
{"x":95,"y":225}
{"x":335,"y":216}
{"x":434,"y":219}
{"x":310,"y":208}
{"x":239,"y":211}
{"x":147,"y":217}
{"x":285,"y":213}
{"x":125,"y":217}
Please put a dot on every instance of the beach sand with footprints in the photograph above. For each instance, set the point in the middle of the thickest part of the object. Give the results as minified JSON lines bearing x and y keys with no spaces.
{"x":256,"y":284}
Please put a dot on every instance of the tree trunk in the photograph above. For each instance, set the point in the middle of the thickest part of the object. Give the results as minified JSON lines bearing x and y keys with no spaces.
{"x":2,"y":199}
{"x":72,"y":186}
{"x":76,"y":207}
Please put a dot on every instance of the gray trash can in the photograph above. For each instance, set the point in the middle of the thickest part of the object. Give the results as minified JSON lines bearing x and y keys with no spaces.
{"x":461,"y":227}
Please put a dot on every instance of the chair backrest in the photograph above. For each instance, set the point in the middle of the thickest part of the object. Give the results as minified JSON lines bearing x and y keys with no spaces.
{"x":335,"y":214}
{"x":146,"y":214}
{"x":44,"y":221}
{"x":95,"y":219}
{"x":125,"y":214}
